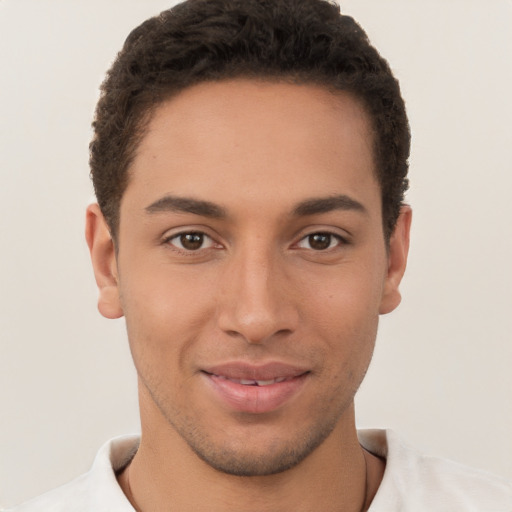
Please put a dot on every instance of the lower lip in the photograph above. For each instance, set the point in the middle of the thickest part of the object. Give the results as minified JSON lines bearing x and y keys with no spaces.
{"x":255,"y":399}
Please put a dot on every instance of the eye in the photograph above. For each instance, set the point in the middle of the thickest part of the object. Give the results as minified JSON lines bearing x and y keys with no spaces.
{"x":190,"y":241}
{"x":320,"y":241}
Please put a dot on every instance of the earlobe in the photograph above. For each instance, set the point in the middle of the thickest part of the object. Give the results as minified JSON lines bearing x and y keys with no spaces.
{"x":103,"y":257}
{"x":397,"y":261}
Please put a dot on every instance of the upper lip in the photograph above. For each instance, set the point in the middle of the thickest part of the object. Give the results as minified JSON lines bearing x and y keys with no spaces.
{"x":263,"y":372}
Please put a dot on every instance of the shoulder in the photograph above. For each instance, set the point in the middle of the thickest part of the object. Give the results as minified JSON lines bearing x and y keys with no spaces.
{"x":96,"y":490}
{"x":417,"y":482}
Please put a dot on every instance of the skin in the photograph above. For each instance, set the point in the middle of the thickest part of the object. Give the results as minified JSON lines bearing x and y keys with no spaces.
{"x":255,"y":287}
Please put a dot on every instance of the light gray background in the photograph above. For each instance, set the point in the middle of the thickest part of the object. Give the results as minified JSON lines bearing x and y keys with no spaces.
{"x":441,"y":374}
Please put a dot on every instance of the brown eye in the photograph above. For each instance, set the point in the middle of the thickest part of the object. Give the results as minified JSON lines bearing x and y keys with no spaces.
{"x":191,"y":241}
{"x":320,"y":241}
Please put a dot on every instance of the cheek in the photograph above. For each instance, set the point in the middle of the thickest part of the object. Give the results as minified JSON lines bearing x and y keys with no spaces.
{"x":167,"y":295}
{"x":345,"y":298}
{"x":344,"y":313}
{"x":164,"y":314}
{"x":351,"y":327}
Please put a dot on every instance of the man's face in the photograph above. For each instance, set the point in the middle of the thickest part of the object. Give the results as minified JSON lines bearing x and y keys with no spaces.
{"x":251,"y":270}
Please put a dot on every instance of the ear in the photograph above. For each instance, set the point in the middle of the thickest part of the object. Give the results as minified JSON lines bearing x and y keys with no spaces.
{"x":397,"y":261}
{"x":103,"y":256}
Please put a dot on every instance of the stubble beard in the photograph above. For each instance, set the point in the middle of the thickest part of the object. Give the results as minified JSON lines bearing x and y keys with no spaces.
{"x":241,"y":460}
{"x":278,"y":457}
{"x":245,"y":458}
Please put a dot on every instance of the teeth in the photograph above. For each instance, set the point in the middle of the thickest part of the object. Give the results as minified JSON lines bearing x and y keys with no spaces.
{"x":266,"y":382}
{"x":253,"y":382}
{"x":246,"y":382}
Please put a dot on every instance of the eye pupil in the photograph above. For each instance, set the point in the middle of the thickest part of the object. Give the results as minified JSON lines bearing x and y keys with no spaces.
{"x":192,"y":241}
{"x":319,"y":241}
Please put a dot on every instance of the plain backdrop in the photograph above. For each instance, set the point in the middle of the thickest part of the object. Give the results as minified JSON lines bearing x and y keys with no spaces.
{"x":441,"y":374}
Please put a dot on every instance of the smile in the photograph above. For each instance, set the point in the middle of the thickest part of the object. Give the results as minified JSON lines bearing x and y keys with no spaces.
{"x":254,"y":389}
{"x":253,"y":382}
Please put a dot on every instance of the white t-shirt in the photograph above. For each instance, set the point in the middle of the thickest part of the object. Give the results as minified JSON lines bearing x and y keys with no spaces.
{"x":412,"y":482}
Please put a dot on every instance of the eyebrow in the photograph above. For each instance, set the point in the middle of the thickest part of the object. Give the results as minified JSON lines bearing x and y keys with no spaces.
{"x":312,"y":206}
{"x":186,"y":205}
{"x":319,"y":205}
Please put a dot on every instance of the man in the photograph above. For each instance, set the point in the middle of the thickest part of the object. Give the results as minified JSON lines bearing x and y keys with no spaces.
{"x":250,"y":162}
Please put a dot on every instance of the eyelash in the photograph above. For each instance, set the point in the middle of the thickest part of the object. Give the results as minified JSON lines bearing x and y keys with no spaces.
{"x":212,"y":244}
{"x":181,"y":235}
{"x":331,"y":236}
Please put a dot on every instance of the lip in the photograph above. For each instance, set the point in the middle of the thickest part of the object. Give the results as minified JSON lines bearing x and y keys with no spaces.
{"x":255,"y":389}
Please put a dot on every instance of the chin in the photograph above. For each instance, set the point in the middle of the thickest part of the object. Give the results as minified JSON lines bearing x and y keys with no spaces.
{"x":275,"y":459}
{"x":255,"y":451}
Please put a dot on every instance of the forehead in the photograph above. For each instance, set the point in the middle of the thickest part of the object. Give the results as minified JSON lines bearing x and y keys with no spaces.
{"x":242,"y":137}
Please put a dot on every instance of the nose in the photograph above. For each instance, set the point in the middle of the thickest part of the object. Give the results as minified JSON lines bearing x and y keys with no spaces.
{"x":256,"y":300}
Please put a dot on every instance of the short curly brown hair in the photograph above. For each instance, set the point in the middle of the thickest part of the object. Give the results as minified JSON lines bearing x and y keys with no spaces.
{"x":303,"y":41}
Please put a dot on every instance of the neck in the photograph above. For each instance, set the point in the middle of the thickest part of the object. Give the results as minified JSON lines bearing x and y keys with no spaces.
{"x":166,"y":474}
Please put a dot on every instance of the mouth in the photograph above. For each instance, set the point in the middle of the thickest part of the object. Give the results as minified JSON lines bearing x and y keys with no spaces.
{"x":255,"y":389}
{"x":253,"y":382}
